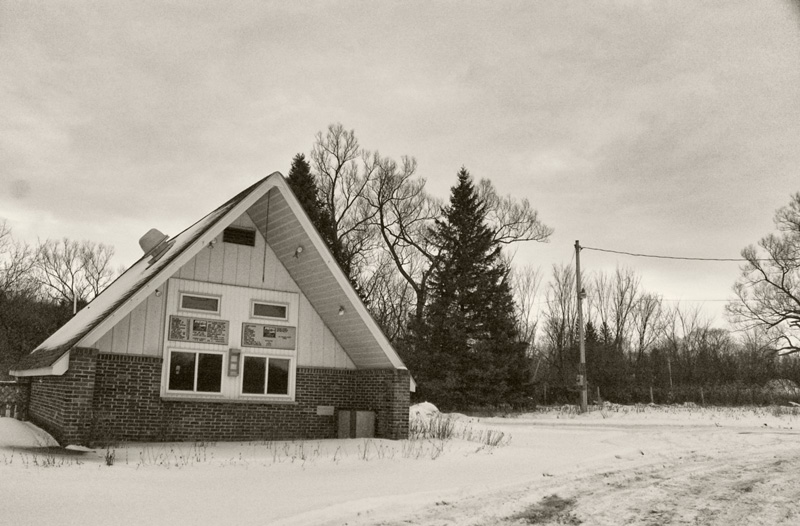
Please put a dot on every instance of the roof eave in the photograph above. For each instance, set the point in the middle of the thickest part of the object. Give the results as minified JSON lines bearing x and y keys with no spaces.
{"x":58,"y":368}
{"x":338,"y":274}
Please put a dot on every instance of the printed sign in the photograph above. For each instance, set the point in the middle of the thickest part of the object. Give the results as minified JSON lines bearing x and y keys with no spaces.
{"x":268,"y":336}
{"x":198,"y":330}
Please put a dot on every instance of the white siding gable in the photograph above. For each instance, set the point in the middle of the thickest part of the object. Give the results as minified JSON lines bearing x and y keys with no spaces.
{"x":143,"y":330}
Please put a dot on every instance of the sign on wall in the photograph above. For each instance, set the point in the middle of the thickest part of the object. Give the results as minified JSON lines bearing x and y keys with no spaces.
{"x":268,"y":336}
{"x":198,"y":330}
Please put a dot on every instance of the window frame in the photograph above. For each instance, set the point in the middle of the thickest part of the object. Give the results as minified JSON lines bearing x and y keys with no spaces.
{"x":255,"y":316}
{"x":217,"y":297}
{"x":289,"y":396}
{"x":194,"y":392}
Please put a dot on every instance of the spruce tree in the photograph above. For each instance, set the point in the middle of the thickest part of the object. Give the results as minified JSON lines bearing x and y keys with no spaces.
{"x":467,"y":350}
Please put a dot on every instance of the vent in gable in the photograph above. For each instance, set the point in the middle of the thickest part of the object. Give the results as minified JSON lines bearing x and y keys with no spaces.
{"x":239,"y":236}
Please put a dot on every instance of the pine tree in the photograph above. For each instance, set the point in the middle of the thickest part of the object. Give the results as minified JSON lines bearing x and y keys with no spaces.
{"x":467,"y":351}
{"x":304,"y":185}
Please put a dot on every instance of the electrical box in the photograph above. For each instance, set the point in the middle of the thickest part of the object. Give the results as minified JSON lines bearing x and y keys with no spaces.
{"x":356,"y":424}
{"x":234,"y":361}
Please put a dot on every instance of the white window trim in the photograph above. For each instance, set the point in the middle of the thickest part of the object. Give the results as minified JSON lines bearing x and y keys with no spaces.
{"x":270,"y":396}
{"x":217,"y":297}
{"x":194,"y":392}
{"x":255,"y":316}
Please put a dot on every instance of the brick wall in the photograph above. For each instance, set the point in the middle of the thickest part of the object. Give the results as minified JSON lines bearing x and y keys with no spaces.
{"x":128,"y":406}
{"x":385,"y":391}
{"x":62,"y":405}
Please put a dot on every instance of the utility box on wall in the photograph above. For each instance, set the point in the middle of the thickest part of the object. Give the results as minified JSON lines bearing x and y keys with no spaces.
{"x":356,"y":424}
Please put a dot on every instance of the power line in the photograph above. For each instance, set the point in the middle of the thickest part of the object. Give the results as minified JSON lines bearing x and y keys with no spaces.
{"x":662,"y":257}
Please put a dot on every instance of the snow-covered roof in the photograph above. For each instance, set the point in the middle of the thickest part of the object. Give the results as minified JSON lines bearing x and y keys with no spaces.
{"x":369,"y":349}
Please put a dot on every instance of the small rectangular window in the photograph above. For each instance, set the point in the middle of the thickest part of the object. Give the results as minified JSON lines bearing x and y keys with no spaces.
{"x":199,"y":303}
{"x":263,"y":375}
{"x":239,"y":236}
{"x":274,"y":311}
{"x":195,"y":372}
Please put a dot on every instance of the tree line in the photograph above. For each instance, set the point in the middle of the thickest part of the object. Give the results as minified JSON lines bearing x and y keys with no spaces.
{"x":474,"y":327}
{"x":42,"y":286}
{"x":414,"y":261}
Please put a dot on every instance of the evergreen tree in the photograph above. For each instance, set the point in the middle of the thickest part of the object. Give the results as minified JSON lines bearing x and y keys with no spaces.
{"x":304,"y":185}
{"x":467,"y":351}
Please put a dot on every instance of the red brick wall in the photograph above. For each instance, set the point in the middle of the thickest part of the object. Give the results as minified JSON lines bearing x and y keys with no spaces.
{"x":128,"y":406}
{"x":62,"y":405}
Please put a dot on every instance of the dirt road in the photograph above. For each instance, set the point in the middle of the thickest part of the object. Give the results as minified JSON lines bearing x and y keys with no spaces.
{"x":698,"y":476}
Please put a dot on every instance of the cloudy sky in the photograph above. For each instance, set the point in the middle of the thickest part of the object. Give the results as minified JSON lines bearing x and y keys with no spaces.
{"x":656,"y":127}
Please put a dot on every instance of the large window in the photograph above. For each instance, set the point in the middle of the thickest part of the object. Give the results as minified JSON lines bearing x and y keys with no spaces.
{"x":266,"y":376}
{"x":195,"y":372}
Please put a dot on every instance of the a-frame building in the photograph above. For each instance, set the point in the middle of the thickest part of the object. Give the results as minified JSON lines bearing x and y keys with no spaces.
{"x":240,"y":327}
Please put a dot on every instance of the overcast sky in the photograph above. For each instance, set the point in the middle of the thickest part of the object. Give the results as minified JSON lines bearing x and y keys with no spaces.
{"x":657,"y":127}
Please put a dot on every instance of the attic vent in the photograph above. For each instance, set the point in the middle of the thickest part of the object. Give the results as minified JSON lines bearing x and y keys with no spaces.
{"x":154,"y":244}
{"x":239,"y":236}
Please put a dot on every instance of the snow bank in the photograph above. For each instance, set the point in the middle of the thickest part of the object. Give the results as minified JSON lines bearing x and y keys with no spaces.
{"x":370,"y":481}
{"x":423,"y":411}
{"x":14,"y":433}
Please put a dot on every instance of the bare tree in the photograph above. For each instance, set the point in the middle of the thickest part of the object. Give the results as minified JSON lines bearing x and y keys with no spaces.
{"x":614,"y":300}
{"x":648,"y":323}
{"x":560,"y":316}
{"x":390,"y":298}
{"x":380,"y":207}
{"x":686,"y":333}
{"x":526,"y":282}
{"x":16,"y":263}
{"x":403,"y":216}
{"x":73,"y":272}
{"x":512,"y":220}
{"x":768,"y":290}
{"x":344,"y":171}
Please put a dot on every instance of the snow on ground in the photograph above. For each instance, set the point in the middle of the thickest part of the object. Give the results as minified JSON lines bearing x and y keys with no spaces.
{"x":14,"y":433}
{"x":632,"y":465}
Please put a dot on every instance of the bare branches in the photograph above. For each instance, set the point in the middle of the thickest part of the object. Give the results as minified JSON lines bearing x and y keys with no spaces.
{"x":382,"y":213}
{"x":344,"y":171}
{"x":768,"y":290}
{"x":526,"y":284}
{"x":512,"y":220}
{"x":71,"y":271}
{"x":16,"y":262}
{"x":615,"y":300}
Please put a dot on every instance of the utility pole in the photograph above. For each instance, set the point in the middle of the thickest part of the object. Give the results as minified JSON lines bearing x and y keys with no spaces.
{"x":581,"y":295}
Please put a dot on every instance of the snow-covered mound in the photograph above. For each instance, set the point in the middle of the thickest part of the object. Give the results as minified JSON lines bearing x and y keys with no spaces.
{"x":423,"y":411}
{"x":14,"y":433}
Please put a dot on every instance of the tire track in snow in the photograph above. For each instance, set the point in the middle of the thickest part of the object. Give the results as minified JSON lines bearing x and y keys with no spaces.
{"x":714,"y":487}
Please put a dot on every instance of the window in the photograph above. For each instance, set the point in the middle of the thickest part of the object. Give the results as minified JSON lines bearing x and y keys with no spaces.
{"x":273,"y":311}
{"x":266,"y":376}
{"x":195,"y":372}
{"x":200,"y":303}
{"x":239,"y":236}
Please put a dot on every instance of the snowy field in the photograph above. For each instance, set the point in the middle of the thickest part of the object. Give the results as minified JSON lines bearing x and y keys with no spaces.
{"x":619,"y":465}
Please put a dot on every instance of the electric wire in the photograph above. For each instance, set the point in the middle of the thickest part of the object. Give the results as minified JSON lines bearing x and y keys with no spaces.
{"x":683,"y":258}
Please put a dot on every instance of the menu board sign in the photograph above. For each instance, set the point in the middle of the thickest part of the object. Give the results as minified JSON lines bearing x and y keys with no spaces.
{"x":198,"y":330}
{"x":268,"y":336}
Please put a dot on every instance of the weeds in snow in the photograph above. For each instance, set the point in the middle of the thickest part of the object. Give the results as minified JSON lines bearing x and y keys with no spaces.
{"x":111,"y":455}
{"x":446,"y":427}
